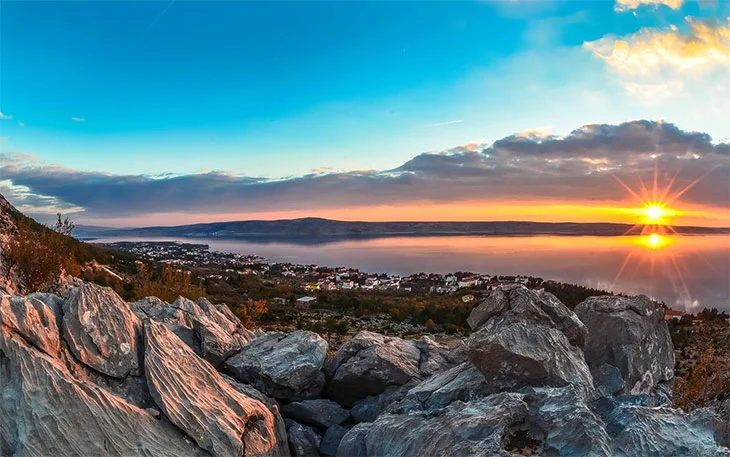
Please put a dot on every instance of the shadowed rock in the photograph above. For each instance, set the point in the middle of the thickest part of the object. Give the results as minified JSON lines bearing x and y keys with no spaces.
{"x":320,"y":413}
{"x":195,"y":398}
{"x":101,"y":330}
{"x":284,"y":366}
{"x":629,"y":333}
{"x":303,"y":440}
{"x":331,"y":440}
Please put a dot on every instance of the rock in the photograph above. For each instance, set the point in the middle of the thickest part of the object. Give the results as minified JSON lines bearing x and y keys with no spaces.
{"x":370,"y":363}
{"x":516,"y":303}
{"x":521,"y":354}
{"x":188,"y":336}
{"x":331,"y":440}
{"x":284,"y":366}
{"x":216,"y":345}
{"x":33,"y":320}
{"x":159,"y":311}
{"x":369,"y":408}
{"x":461,"y":429}
{"x":564,"y":423}
{"x":320,"y":413}
{"x":101,"y":330}
{"x":303,"y":440}
{"x":45,"y":411}
{"x":608,"y":377}
{"x":639,"y":431}
{"x":630,"y":334}
{"x":463,"y":382}
{"x":194,"y":397}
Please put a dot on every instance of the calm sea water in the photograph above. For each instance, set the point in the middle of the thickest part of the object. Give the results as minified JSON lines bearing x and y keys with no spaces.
{"x":687,"y":271}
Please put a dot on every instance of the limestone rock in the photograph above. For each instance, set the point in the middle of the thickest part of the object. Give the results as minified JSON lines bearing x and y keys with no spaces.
{"x":608,"y":377}
{"x":33,"y":320}
{"x":629,"y":333}
{"x":45,"y":411}
{"x":320,"y":413}
{"x":195,"y":398}
{"x":101,"y":330}
{"x":216,"y":344}
{"x":469,"y":429}
{"x":331,"y":440}
{"x":284,"y":366}
{"x":303,"y":440}
{"x":523,"y":354}
{"x":369,"y":408}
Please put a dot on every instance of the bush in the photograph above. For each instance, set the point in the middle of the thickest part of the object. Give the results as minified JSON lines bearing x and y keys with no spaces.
{"x":39,"y":254}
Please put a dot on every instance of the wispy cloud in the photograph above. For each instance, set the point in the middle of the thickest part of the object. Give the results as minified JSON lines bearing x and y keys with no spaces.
{"x":627,"y":5}
{"x":78,"y":119}
{"x":439,"y":124}
{"x":21,"y":124}
{"x":4,"y":116}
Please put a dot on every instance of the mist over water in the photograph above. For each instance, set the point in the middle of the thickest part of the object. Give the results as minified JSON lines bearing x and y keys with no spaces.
{"x":685,"y":271}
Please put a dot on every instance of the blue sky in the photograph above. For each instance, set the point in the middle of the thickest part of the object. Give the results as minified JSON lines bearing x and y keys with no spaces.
{"x":282,"y":89}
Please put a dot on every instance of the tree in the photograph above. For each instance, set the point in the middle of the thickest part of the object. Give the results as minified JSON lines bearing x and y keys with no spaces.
{"x":64,"y":226}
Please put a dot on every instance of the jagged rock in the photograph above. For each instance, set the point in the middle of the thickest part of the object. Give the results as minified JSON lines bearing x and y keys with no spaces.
{"x":188,"y":336}
{"x":216,"y":345}
{"x":157,"y":310}
{"x":369,"y":363}
{"x":463,"y":382}
{"x":331,"y":440}
{"x":45,"y":411}
{"x":369,"y":408}
{"x":516,"y":303}
{"x":523,"y":354}
{"x":101,"y":330}
{"x":195,"y":398}
{"x":629,"y":333}
{"x":33,"y":320}
{"x":564,"y":423}
{"x":320,"y":413}
{"x":640,"y":431}
{"x":303,"y":440}
{"x":468,"y":429}
{"x":608,"y":377}
{"x":284,"y":366}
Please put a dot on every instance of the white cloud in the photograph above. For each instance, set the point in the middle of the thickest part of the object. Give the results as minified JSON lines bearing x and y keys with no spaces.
{"x":78,"y":119}
{"x":438,"y":124}
{"x":627,"y":5}
{"x":21,"y":124}
{"x":4,"y":116}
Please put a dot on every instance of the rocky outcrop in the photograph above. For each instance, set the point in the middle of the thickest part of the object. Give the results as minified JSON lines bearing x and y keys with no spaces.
{"x":33,"y":320}
{"x":474,"y":428}
{"x":319,"y":413}
{"x":197,"y":399}
{"x":370,"y":363}
{"x":629,"y":333}
{"x":284,"y":366}
{"x":101,"y":330}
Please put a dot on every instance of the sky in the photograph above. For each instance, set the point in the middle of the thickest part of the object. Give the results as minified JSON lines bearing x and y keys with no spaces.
{"x":172,"y":112}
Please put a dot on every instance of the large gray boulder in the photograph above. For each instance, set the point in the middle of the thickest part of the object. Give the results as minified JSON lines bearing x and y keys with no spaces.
{"x":46,"y":411}
{"x":320,"y":413}
{"x":370,"y":363}
{"x":219,"y":418}
{"x":516,"y":303}
{"x":629,"y":333}
{"x":522,"y":354}
{"x":284,"y":366}
{"x":101,"y":330}
{"x":462,"y":429}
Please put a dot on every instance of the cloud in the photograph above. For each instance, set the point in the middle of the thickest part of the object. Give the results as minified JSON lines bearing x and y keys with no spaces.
{"x":439,"y":124}
{"x":705,"y":45}
{"x":627,"y":5}
{"x":5,"y":117}
{"x":21,"y":124}
{"x":579,"y":166}
{"x":78,"y":119}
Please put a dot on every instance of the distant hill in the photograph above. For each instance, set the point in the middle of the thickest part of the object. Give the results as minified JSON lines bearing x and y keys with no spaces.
{"x":326,"y":229}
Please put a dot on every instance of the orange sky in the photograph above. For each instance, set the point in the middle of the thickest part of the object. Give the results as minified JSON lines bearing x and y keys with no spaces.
{"x":628,"y":212}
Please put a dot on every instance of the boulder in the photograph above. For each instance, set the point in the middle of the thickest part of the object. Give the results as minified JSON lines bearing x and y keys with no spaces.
{"x":46,"y":411}
{"x":369,"y":408}
{"x":468,"y":429}
{"x":33,"y":320}
{"x":331,"y":440}
{"x":607,"y":377}
{"x":523,"y":354}
{"x":516,"y":303}
{"x":303,"y":440}
{"x":319,"y":413}
{"x":199,"y":401}
{"x":216,"y":344}
{"x":101,"y":330}
{"x":370,"y":363}
{"x":629,"y":333}
{"x":284,"y":366}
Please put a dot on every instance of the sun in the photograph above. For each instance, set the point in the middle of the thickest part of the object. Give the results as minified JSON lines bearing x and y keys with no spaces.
{"x":654,"y":212}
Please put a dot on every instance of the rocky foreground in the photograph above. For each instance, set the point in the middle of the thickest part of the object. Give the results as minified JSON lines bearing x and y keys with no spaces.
{"x":87,"y":374}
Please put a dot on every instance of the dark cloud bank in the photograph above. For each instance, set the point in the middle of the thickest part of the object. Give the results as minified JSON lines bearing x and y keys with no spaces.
{"x":525,"y":166}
